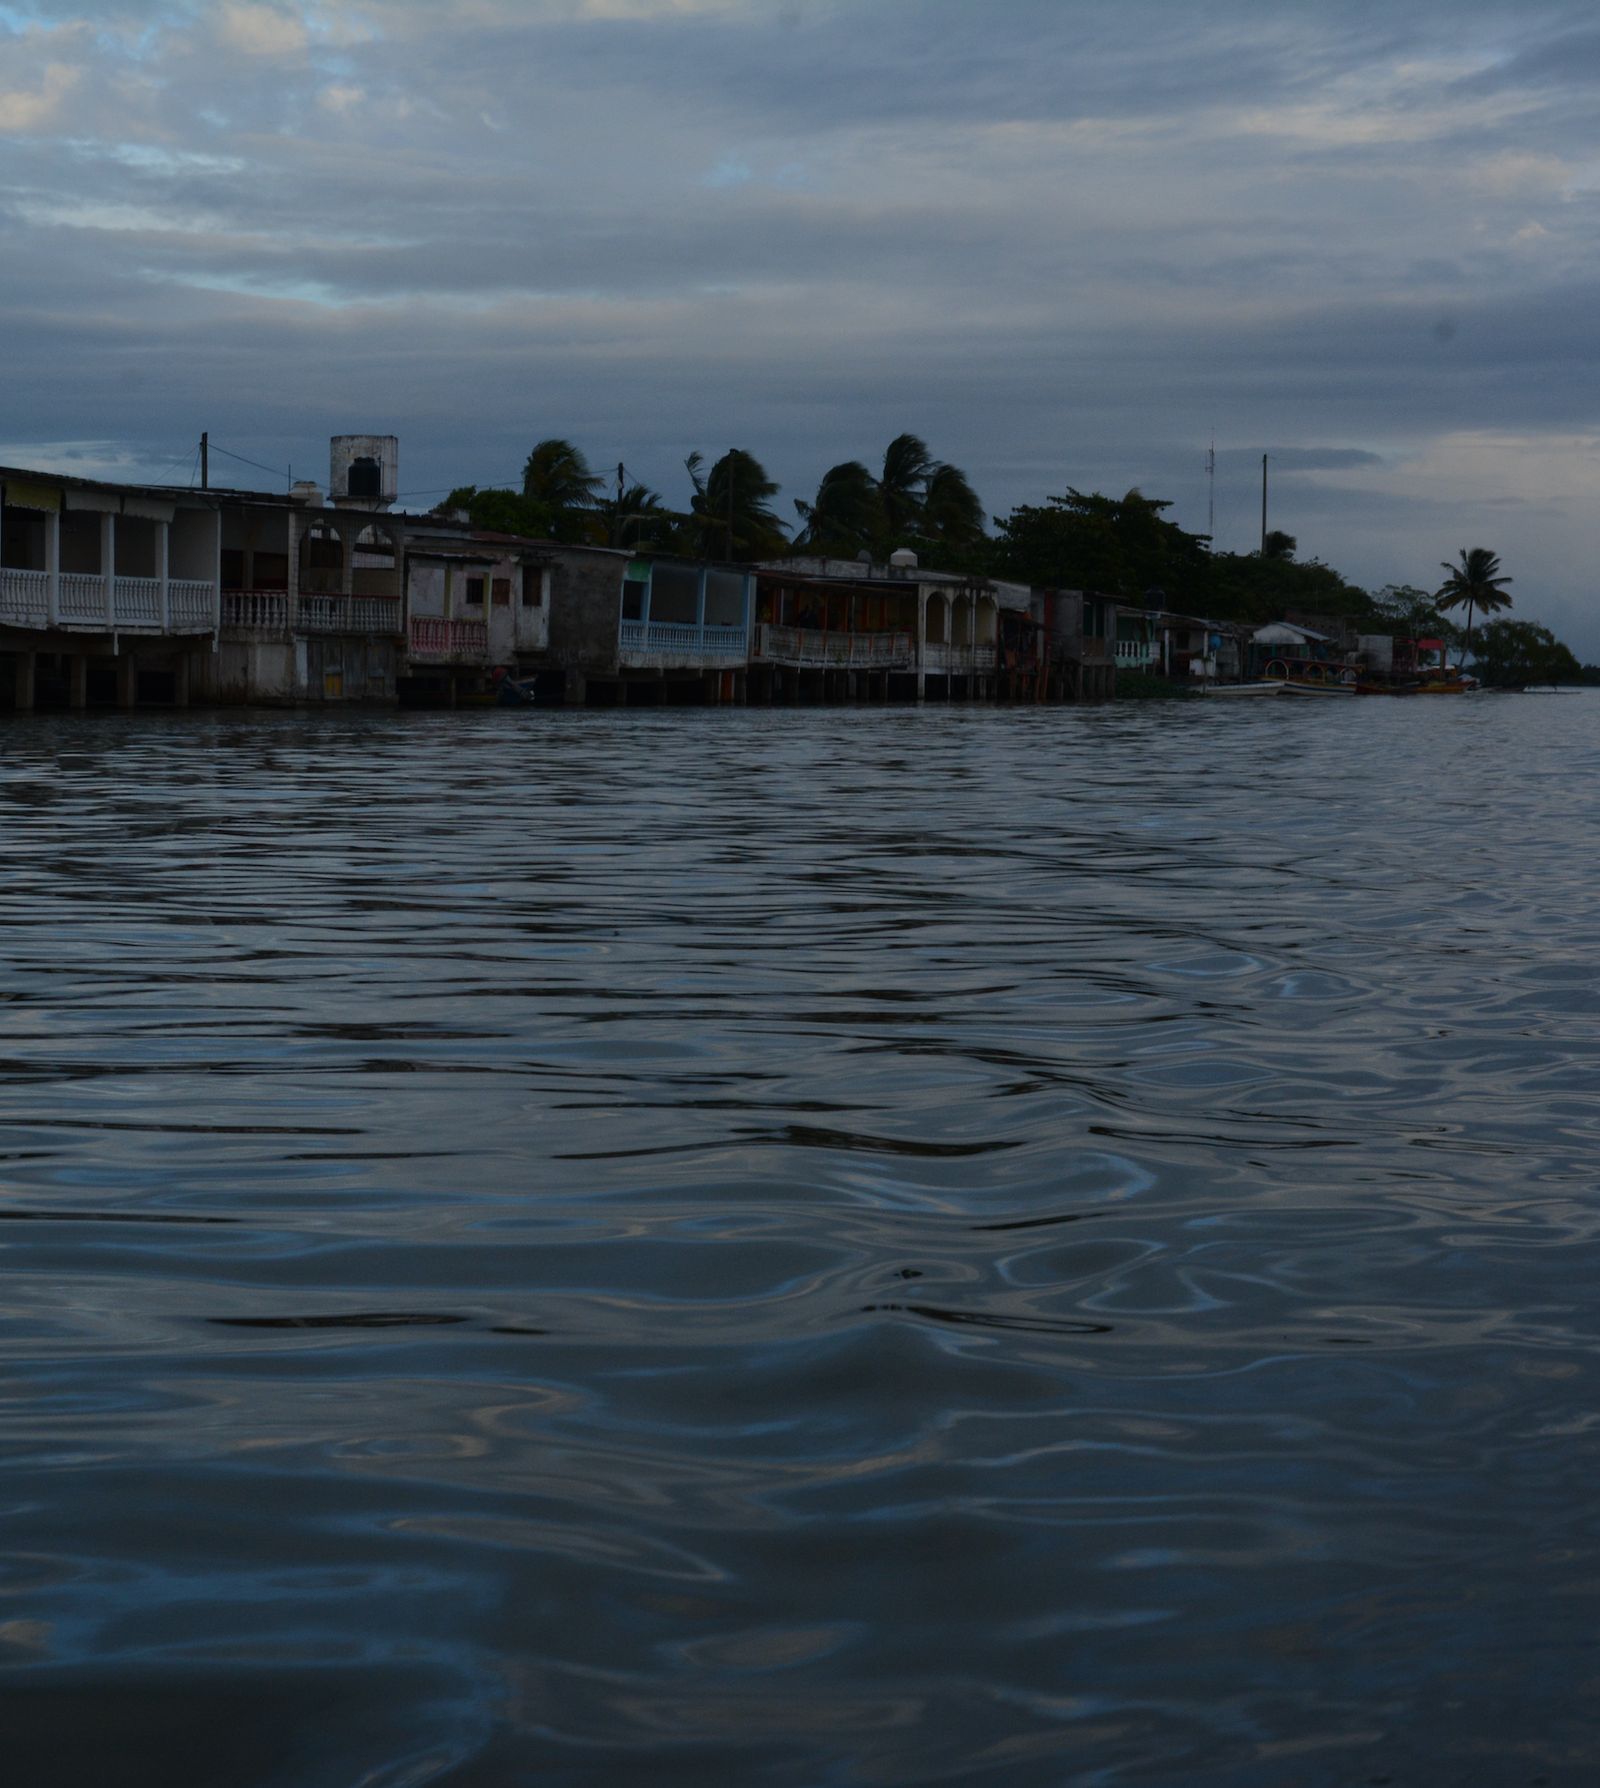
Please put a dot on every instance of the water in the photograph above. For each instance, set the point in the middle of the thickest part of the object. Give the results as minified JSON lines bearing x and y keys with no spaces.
{"x":858,"y":1247}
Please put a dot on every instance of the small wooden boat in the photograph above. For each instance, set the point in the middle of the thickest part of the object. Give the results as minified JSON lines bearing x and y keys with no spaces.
{"x":1233,"y":689}
{"x":1290,"y":687}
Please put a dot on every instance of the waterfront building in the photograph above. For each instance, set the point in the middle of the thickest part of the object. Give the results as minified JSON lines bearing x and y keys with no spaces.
{"x":1196,"y":650}
{"x":109,"y":593}
{"x":953,"y":620}
{"x":1138,"y":637}
{"x":312,"y":603}
{"x":840,"y":638}
{"x":477,"y":610}
{"x":648,"y":627}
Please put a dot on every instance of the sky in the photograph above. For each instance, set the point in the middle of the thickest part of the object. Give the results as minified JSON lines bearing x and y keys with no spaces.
{"x":1068,"y":244}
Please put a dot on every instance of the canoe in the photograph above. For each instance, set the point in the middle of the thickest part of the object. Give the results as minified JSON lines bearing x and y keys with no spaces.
{"x":1231,"y":689}
{"x":1318,"y":688}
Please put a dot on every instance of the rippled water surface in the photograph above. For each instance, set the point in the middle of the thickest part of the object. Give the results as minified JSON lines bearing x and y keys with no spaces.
{"x":873,"y":1247}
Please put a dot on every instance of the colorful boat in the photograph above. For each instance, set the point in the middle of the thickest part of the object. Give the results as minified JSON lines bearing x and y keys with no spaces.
{"x":1310,"y":676}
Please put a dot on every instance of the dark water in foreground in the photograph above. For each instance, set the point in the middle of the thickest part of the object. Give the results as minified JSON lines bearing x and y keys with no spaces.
{"x":800,"y":1248}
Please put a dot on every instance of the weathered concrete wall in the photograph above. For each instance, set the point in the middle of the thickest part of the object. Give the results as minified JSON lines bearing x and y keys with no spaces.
{"x":585,"y":607}
{"x":338,"y":668}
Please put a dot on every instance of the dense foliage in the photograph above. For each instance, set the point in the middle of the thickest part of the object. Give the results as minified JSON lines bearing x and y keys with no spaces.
{"x":1513,"y":654}
{"x":915,"y":501}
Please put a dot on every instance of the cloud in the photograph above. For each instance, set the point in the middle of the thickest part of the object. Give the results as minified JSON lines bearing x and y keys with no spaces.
{"x":255,"y":28}
{"x":1064,"y":242}
{"x":23,"y":110}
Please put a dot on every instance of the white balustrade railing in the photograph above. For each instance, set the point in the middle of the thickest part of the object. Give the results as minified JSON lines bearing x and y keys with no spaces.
{"x":191,"y":605}
{"x":83,"y":597}
{"x":375,"y":614}
{"x":808,"y":647}
{"x":24,"y":598}
{"x":138,"y":601}
{"x":957,"y":661}
{"x":660,"y":643}
{"x":1137,"y":652}
{"x":256,"y":611}
{"x":348,"y":614}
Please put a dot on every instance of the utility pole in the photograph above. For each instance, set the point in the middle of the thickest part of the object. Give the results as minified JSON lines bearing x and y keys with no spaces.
{"x":205,"y":462}
{"x":1263,"y":505}
{"x":1211,"y":500}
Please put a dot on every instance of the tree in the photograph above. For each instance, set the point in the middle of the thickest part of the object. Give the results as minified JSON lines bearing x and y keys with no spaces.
{"x":951,"y":511}
{"x":846,"y":517}
{"x":498,"y":511}
{"x":917,"y":501}
{"x":561,"y":480}
{"x":1121,"y":546}
{"x":903,"y":486}
{"x":1512,"y":654}
{"x":636,"y":516}
{"x":1279,"y":545}
{"x":1475,"y":582}
{"x":731,"y":513}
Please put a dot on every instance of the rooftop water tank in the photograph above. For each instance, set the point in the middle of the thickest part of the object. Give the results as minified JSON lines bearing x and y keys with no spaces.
{"x":364,"y":471}
{"x":904,"y":559}
{"x":307,"y":493}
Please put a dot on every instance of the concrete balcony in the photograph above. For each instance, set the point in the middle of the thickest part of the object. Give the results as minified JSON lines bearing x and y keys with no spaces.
{"x":87,"y":602}
{"x":1137,"y":654}
{"x":958,"y":661}
{"x":434,"y":640}
{"x":805,"y":648}
{"x":351,"y":614}
{"x":24,"y":598}
{"x":670,"y":645}
{"x":260,"y":614}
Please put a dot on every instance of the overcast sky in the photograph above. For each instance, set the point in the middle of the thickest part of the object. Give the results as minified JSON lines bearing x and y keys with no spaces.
{"x":1066,"y":243}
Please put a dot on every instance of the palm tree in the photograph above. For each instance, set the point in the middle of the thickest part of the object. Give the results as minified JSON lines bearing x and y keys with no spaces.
{"x":634,"y":516}
{"x":1477,"y":582}
{"x":731,"y":509}
{"x":951,"y":511}
{"x":846,"y":517}
{"x":903,"y":488}
{"x":558,"y":476}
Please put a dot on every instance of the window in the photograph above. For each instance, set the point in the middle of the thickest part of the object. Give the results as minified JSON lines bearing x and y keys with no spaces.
{"x":474,"y":592}
{"x":502,"y":592}
{"x":725,"y":597}
{"x":633,"y":595}
{"x":675,"y":593}
{"x":532,"y":588}
{"x":232,"y":568}
{"x":366,"y":479}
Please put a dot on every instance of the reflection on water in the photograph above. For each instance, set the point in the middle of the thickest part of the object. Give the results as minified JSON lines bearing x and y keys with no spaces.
{"x":863,"y":1247}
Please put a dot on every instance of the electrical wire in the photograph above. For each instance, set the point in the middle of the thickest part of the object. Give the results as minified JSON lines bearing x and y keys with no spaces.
{"x":228,"y":453}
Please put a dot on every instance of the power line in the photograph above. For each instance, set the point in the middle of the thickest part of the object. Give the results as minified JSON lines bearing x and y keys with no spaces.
{"x":227,"y":452}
